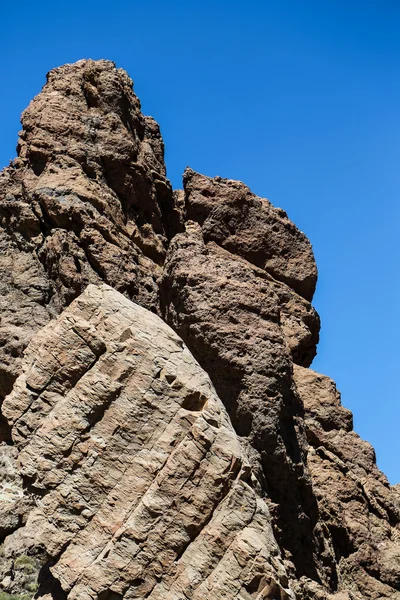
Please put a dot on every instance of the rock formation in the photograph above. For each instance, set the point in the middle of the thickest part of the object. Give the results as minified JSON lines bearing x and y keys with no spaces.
{"x":360,"y":513}
{"x":163,"y":434}
{"x":81,"y":204}
{"x":138,"y":483}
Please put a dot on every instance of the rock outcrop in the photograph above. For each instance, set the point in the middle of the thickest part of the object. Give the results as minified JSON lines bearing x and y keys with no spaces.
{"x":359,"y":511}
{"x":163,"y":434}
{"x":230,"y":313}
{"x":82,"y":203}
{"x":139,"y":486}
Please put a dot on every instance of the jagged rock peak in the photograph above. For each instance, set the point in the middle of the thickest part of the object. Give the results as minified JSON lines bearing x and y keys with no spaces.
{"x":249,"y":226}
{"x":88,"y":116}
{"x":84,"y":203}
{"x":131,"y":470}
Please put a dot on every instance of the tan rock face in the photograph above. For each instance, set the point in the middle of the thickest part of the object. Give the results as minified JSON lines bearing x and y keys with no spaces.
{"x":131,"y":470}
{"x":81,"y":204}
{"x":141,"y":486}
{"x":248,"y":329}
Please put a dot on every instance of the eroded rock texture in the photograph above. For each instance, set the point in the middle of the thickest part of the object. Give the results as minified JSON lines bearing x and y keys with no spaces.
{"x":81,"y":204}
{"x":245,"y":327}
{"x":359,"y":511}
{"x":249,"y":325}
{"x":130,"y":469}
{"x":140,"y":486}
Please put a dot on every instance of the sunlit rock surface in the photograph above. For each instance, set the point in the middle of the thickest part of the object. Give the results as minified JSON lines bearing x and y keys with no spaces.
{"x":206,"y":461}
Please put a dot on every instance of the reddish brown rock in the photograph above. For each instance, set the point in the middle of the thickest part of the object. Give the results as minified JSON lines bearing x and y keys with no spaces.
{"x":248,"y":330}
{"x":358,"y":508}
{"x":81,"y":204}
{"x":239,"y":221}
{"x":241,"y":325}
{"x":128,"y":478}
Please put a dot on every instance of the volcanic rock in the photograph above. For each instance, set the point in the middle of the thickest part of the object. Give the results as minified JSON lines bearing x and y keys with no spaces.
{"x":239,"y":221}
{"x":141,"y":486}
{"x":242,"y":325}
{"x":166,"y":438}
{"x":358,"y":508}
{"x":81,"y":204}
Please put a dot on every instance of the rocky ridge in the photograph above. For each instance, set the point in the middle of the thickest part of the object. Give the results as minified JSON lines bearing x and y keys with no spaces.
{"x":139,"y":461}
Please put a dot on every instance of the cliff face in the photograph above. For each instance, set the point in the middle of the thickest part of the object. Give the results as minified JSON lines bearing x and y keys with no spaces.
{"x":81,"y":204}
{"x":163,"y":434}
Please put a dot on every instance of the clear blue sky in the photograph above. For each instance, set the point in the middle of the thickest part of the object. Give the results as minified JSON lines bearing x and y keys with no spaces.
{"x":300,"y":99}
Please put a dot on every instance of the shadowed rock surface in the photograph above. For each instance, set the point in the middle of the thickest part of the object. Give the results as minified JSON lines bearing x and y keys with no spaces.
{"x":359,"y":510}
{"x":230,"y":313}
{"x":131,"y":470}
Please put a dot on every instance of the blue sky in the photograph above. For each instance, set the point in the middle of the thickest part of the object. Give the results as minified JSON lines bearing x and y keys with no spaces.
{"x":300,"y":99}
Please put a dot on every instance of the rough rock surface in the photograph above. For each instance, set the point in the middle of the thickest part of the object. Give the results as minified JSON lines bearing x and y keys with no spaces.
{"x":81,"y":204}
{"x":241,"y":222}
{"x":249,"y":328}
{"x":230,"y":313}
{"x":141,"y":486}
{"x":133,"y":470}
{"x":360,"y":512}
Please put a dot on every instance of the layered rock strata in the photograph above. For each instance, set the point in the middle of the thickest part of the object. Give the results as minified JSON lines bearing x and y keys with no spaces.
{"x":138,"y":483}
{"x":131,"y":470}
